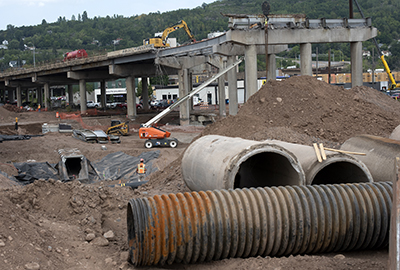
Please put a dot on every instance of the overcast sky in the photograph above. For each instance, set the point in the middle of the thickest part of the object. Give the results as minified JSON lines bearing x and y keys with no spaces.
{"x":32,"y":12}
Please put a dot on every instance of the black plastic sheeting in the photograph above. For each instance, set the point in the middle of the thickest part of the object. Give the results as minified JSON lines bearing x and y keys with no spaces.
{"x":119,"y":165}
{"x":16,"y":137}
{"x":28,"y":172}
{"x":114,"y":166}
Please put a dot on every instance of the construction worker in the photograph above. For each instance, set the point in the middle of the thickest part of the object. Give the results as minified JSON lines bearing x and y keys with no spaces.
{"x":141,"y":170}
{"x":16,"y":123}
{"x":39,"y":107}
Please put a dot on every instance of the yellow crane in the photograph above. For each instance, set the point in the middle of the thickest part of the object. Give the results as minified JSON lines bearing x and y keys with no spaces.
{"x":161,"y":41}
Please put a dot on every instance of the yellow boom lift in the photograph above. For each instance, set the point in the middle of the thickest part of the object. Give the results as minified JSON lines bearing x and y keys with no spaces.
{"x":161,"y":41}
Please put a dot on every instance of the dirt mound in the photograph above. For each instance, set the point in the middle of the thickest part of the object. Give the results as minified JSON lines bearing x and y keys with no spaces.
{"x":307,"y":107}
{"x":13,"y":108}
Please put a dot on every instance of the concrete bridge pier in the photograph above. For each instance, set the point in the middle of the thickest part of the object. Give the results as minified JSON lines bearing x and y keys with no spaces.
{"x":184,"y":112}
{"x":26,"y":95}
{"x":250,"y":70}
{"x":356,"y":64}
{"x":271,"y":74}
{"x":18,"y":90}
{"x":145,"y":93}
{"x":232,"y":87}
{"x":103,"y":95}
{"x":305,"y":59}
{"x":40,"y":96}
{"x":82,"y":93}
{"x":47,"y":96}
{"x":70,"y":94}
{"x":131,"y":97}
{"x":221,"y":89}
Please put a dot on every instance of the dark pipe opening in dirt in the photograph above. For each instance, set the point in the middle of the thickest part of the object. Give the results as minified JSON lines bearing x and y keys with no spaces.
{"x":340,"y":173}
{"x":73,"y":166}
{"x":265,"y":170}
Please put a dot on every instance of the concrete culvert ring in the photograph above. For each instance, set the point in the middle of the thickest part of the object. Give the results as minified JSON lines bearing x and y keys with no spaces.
{"x":266,"y":168}
{"x":340,"y":169}
{"x":217,"y":162}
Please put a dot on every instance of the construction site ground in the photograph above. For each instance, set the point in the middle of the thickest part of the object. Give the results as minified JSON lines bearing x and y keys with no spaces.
{"x":55,"y":225}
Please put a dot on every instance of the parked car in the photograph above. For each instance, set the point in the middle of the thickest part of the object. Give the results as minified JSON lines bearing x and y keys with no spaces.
{"x":92,"y":104}
{"x":396,"y":96}
{"x":124,"y":105}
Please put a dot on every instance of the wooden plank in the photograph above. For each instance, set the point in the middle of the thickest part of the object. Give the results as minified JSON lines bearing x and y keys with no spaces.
{"x":317,"y":152}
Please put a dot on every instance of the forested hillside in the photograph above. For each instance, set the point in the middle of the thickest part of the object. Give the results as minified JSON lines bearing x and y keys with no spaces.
{"x":101,"y":34}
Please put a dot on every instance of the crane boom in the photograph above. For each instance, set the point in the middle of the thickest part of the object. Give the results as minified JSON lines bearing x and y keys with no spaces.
{"x":159,"y":116}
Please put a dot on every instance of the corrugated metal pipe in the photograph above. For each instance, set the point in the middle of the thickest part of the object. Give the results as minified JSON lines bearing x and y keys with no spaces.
{"x":278,"y":221}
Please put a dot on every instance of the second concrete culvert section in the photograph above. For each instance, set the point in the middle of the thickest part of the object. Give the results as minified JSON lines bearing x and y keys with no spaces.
{"x":279,"y":221}
{"x":338,"y":168}
{"x":218,"y":162}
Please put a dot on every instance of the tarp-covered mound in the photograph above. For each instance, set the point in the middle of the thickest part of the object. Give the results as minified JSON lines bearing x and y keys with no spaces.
{"x":114,"y":166}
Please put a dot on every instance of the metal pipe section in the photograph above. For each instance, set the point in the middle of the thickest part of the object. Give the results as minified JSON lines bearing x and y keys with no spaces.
{"x":380,"y":155}
{"x":338,"y":168}
{"x":278,"y":221}
{"x":217,"y":162}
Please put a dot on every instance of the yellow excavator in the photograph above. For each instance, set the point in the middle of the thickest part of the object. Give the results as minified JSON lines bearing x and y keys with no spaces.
{"x":161,"y":41}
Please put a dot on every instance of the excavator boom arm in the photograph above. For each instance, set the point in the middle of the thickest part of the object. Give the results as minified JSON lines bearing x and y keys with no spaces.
{"x":180,"y":24}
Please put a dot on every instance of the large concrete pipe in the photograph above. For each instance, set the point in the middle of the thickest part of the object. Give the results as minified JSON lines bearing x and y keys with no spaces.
{"x":217,"y":162}
{"x":380,"y":155}
{"x":278,"y":221}
{"x":338,"y":168}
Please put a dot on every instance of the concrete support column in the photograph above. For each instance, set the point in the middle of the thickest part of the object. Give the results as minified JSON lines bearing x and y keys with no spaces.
{"x":130,"y":97}
{"x":82,"y":93}
{"x":70,"y":94}
{"x":26,"y":95}
{"x":250,"y":70}
{"x":232,"y":87}
{"x":356,"y":64}
{"x":103,"y":94}
{"x":190,"y":89}
{"x":145,"y":93}
{"x":221,"y":90}
{"x":184,"y":114}
{"x":305,"y":59}
{"x":271,"y":67}
{"x":2,"y":95}
{"x":11,"y":95}
{"x":39,"y":94}
{"x":47,"y":96}
{"x":19,"y":96}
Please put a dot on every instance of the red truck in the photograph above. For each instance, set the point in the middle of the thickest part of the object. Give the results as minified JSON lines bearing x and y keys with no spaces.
{"x":75,"y":55}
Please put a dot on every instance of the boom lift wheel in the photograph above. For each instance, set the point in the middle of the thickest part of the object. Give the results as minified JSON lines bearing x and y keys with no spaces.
{"x":148,"y":144}
{"x":173,"y":144}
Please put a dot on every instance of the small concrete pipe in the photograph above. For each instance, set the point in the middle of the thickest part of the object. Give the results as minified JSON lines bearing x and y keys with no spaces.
{"x":338,"y":168}
{"x":217,"y":162}
{"x":278,"y":221}
{"x":380,"y":155}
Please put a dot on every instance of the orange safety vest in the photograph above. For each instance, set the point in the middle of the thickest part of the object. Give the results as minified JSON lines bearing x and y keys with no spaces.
{"x":140,"y":168}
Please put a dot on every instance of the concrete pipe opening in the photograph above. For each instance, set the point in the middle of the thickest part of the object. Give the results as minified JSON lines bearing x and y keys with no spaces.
{"x":341,"y":172}
{"x":73,"y":166}
{"x":338,"y":168}
{"x":265,"y":169}
{"x":217,"y":162}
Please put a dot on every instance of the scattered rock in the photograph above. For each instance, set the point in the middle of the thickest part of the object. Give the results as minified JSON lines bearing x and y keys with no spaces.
{"x":100,"y":241}
{"x":32,"y":266}
{"x":2,"y":244}
{"x":109,"y":235}
{"x":90,"y":237}
{"x":339,"y":257}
